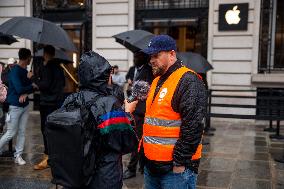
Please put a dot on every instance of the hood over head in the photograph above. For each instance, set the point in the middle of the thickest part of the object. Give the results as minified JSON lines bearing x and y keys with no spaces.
{"x":94,"y":71}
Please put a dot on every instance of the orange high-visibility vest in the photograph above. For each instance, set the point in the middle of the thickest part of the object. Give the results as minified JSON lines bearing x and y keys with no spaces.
{"x":161,"y":127}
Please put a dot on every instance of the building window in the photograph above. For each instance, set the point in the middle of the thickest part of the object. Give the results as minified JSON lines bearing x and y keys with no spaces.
{"x":279,"y":37}
{"x":53,"y":4}
{"x":188,"y":25}
{"x":271,"y":37}
{"x":170,"y":4}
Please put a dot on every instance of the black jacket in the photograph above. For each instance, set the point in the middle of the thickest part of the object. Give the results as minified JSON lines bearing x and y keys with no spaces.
{"x":51,"y":82}
{"x":130,"y":73}
{"x":144,"y":74}
{"x":190,"y":100}
{"x":93,"y":73}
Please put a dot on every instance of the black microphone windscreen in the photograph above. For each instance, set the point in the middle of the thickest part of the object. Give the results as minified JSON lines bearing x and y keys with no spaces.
{"x":140,"y":90}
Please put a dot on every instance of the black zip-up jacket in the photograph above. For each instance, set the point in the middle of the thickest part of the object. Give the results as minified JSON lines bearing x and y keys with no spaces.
{"x":190,"y":100}
{"x":51,"y":82}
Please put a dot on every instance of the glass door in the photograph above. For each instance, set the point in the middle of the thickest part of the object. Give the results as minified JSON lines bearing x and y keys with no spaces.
{"x":76,"y":34}
{"x":187,"y":33}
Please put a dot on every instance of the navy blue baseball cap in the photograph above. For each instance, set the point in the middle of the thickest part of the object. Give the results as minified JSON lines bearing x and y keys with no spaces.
{"x":160,"y":43}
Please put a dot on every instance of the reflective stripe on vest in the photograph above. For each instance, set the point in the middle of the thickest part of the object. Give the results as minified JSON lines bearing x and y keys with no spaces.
{"x":161,"y":149}
{"x":163,"y":122}
{"x":154,"y":127}
{"x":161,"y":127}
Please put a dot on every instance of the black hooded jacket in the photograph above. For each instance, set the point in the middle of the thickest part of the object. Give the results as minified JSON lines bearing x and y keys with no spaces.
{"x":115,"y":139}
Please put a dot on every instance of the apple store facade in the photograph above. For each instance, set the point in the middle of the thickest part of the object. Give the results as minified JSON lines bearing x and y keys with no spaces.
{"x":242,"y":39}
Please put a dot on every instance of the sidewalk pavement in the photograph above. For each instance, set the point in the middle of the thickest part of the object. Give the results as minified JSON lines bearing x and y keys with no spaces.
{"x":239,"y":156}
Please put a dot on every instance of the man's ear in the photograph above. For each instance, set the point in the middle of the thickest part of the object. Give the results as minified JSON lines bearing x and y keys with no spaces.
{"x":173,"y":55}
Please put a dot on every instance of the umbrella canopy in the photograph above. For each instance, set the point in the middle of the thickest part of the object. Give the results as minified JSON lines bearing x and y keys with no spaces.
{"x":59,"y":55}
{"x":195,"y":61}
{"x":38,"y":30}
{"x":7,"y":39}
{"x":134,"y":40}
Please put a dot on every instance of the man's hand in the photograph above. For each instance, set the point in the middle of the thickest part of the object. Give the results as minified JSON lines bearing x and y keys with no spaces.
{"x":23,"y":98}
{"x":30,"y":75}
{"x":130,"y":107}
{"x":178,"y":169}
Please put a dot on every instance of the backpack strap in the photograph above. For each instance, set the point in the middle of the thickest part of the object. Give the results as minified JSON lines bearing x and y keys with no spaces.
{"x":80,"y":97}
{"x":91,"y":102}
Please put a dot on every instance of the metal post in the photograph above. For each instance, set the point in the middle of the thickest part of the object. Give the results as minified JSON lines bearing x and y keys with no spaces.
{"x":278,"y":128}
{"x":208,"y":129}
{"x":11,"y":145}
{"x":270,"y":129}
{"x":277,"y":134}
{"x":208,"y":120}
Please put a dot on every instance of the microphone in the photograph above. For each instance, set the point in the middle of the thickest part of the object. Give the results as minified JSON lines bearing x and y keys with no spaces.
{"x":140,"y":90}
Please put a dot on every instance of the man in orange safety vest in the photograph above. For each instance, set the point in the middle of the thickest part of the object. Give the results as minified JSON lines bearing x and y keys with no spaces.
{"x":172,"y":129}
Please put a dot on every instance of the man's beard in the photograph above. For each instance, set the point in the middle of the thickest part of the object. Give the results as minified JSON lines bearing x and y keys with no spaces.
{"x":158,"y":71}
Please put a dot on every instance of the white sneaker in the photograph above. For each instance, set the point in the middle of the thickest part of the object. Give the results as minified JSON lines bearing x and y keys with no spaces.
{"x":19,"y":160}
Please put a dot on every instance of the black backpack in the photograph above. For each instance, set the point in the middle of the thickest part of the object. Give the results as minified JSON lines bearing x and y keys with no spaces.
{"x":71,"y":138}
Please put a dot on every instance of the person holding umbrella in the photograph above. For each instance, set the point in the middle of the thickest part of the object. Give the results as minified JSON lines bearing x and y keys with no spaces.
{"x":142,"y":72}
{"x":135,"y":41}
{"x":50,"y":81}
{"x":172,"y":132}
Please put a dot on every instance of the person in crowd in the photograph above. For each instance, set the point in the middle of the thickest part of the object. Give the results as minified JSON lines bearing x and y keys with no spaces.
{"x":4,"y":77}
{"x":114,"y":125}
{"x":3,"y":94}
{"x":172,"y":132}
{"x":50,"y":81}
{"x":129,"y":79}
{"x":117,"y":78}
{"x":141,"y":65}
{"x":19,"y":88}
{"x":6,"y":70}
{"x":142,"y":72}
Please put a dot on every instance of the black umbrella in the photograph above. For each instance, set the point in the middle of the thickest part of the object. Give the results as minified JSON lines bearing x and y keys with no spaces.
{"x":134,"y":40}
{"x":60,"y":55}
{"x":7,"y":39}
{"x":195,"y":61}
{"x":38,"y":30}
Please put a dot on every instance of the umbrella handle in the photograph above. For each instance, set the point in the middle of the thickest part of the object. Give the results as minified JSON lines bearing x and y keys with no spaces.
{"x":69,"y":74}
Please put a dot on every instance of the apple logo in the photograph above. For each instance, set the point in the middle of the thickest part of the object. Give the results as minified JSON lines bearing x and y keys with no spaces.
{"x":232,"y":16}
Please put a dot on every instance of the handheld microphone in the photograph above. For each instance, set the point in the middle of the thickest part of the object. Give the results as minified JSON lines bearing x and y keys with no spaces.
{"x":140,"y":90}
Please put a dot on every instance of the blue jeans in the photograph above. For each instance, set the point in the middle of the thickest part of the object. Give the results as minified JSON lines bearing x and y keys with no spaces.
{"x":16,"y":124}
{"x":171,"y":180}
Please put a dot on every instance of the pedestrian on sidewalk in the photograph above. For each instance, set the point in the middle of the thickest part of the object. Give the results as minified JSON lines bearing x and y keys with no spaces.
{"x":172,"y":132}
{"x":6,"y":68}
{"x":117,"y":77}
{"x":142,"y":72}
{"x":3,"y":95}
{"x":51,"y":82}
{"x":19,"y":88}
{"x":114,"y":134}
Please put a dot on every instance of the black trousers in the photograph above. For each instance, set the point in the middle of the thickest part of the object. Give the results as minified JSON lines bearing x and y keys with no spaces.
{"x":136,"y":156}
{"x":45,"y":110}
